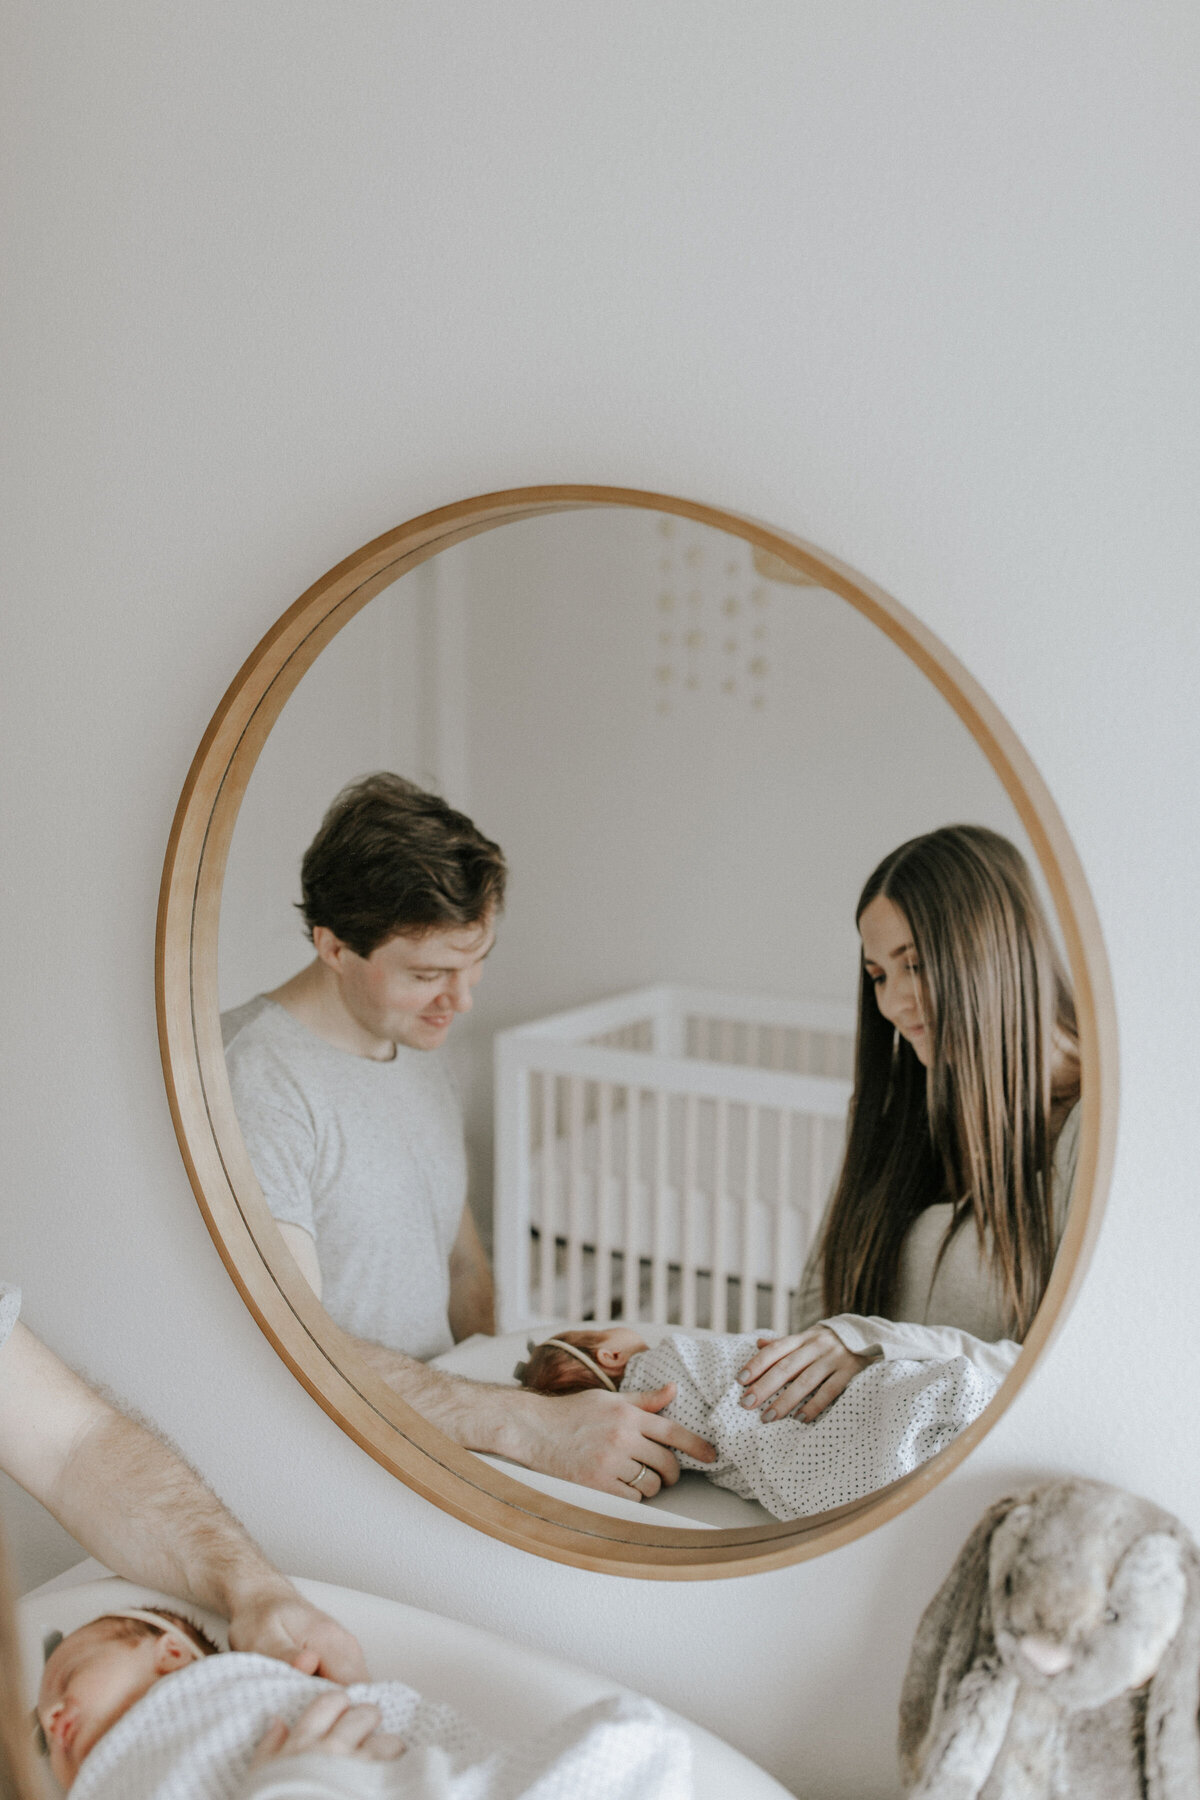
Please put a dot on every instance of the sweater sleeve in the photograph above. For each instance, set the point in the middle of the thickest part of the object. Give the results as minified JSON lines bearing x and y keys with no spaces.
{"x":894,"y":1340}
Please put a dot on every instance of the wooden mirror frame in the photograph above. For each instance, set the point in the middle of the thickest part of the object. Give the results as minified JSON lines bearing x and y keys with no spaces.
{"x":318,"y":1353}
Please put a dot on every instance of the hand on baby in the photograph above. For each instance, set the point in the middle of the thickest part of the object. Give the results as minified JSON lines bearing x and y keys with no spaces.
{"x":284,"y":1625}
{"x":615,"y":1442}
{"x":331,"y":1726}
{"x":802,"y":1374}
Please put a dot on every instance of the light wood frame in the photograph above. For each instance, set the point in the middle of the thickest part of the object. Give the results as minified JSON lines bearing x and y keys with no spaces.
{"x":318,"y":1353}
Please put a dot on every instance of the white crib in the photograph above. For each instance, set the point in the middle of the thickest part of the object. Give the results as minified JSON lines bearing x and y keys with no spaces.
{"x":665,"y":1156}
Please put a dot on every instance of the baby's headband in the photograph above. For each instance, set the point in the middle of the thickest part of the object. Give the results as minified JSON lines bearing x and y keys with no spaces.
{"x":165,"y":1626}
{"x":571,"y":1350}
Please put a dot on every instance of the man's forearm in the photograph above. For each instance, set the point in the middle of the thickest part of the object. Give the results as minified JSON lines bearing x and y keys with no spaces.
{"x":472,"y":1291}
{"x":131,"y":1500}
{"x":116,"y":1487}
{"x":472,"y":1302}
{"x":502,"y":1421}
{"x":137,"y":1506}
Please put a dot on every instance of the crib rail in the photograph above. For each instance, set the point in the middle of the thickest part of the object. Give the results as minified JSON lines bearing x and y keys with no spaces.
{"x":665,"y":1155}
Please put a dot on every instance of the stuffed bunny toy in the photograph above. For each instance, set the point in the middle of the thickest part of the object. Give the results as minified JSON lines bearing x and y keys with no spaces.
{"x":1061,"y":1656}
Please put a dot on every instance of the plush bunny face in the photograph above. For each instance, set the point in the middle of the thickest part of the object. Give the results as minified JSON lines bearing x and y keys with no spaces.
{"x":1084,"y":1606}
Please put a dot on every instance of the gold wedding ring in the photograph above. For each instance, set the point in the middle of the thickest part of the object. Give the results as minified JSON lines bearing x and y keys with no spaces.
{"x":643,"y":1469}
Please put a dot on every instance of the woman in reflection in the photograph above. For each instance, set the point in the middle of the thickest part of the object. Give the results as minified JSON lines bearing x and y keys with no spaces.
{"x":964,"y":1129}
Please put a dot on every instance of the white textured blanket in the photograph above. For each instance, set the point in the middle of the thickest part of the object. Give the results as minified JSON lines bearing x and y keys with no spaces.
{"x":888,"y":1421}
{"x":192,"y":1737}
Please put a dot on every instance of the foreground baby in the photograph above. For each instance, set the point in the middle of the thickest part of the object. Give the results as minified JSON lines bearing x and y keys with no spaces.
{"x":890,"y":1418}
{"x":140,"y":1705}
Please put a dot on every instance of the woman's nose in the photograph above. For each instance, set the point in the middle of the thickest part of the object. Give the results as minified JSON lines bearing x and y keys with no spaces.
{"x":460,"y":993}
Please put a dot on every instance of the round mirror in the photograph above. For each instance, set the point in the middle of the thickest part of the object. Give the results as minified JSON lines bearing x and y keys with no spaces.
{"x":689,"y":739}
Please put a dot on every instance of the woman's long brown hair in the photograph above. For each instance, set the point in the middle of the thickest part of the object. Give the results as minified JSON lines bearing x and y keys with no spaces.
{"x":17,"y":1777}
{"x":975,"y":1127}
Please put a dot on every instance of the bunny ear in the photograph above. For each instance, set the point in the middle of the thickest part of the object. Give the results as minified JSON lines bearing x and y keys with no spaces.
{"x":955,"y":1628}
{"x":1172,"y":1733}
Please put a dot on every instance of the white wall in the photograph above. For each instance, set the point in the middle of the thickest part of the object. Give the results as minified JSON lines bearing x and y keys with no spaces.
{"x":913,"y":279}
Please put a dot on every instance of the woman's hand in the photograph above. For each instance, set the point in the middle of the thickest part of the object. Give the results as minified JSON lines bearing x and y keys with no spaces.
{"x":331,"y":1726}
{"x":801,"y":1375}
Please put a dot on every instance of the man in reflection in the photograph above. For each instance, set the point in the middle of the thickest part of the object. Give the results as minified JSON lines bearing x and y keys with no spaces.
{"x":355,"y":1132}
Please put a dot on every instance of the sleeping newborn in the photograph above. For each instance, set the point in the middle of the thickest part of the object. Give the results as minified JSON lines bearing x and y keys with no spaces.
{"x":95,"y":1675}
{"x":889,"y":1419}
{"x":140,"y":1705}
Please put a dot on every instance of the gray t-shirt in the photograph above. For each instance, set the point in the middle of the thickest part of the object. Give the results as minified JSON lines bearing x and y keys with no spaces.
{"x":366,"y":1156}
{"x":10,"y":1306}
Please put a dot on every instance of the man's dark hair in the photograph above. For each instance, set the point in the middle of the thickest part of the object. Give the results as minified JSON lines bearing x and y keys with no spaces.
{"x":392,"y":860}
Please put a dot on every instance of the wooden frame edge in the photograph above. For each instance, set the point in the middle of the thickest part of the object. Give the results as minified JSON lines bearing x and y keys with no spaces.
{"x":317,"y":1353}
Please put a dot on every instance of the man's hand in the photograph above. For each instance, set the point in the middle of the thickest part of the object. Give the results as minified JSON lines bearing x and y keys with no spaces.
{"x":284,"y":1625}
{"x":611,"y":1442}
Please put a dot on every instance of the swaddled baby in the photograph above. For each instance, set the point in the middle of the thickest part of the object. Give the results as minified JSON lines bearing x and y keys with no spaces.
{"x":890,"y":1418}
{"x":110,"y":1720}
{"x":139,"y":1705}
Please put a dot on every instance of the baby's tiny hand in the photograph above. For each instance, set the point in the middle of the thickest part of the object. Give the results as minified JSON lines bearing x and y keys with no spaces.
{"x":331,"y":1726}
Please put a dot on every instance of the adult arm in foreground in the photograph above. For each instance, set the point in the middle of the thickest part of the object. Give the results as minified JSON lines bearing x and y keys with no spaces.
{"x":133,"y":1502}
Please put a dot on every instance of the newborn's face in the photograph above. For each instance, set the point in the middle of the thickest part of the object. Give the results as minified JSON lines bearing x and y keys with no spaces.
{"x":89,"y":1681}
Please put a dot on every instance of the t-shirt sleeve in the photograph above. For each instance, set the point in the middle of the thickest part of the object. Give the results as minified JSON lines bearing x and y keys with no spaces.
{"x":10,"y":1307}
{"x":282,"y":1147}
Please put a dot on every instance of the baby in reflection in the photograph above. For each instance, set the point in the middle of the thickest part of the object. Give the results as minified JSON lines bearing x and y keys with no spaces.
{"x":891,"y":1417}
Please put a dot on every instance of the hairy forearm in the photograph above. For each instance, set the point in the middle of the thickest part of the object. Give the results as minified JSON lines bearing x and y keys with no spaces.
{"x":596,"y":1438}
{"x":136,"y":1505}
{"x":472,"y":1305}
{"x":504,"y":1421}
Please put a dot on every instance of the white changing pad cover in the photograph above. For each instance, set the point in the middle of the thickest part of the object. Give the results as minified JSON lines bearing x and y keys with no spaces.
{"x":193,"y":1736}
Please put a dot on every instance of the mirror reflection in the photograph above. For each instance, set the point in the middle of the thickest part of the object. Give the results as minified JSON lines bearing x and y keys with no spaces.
{"x":565,"y":887}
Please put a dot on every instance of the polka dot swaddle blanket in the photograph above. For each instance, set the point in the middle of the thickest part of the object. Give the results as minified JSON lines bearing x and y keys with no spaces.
{"x":890,"y":1419}
{"x":193,"y":1737}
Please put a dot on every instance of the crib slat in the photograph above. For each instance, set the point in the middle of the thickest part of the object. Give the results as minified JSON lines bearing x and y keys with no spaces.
{"x":574,"y":1233}
{"x":658,"y":1223}
{"x":749,"y":1282}
{"x":631,"y":1261}
{"x":548,"y":1198}
{"x":603,"y":1307}
{"x":779,"y":1308}
{"x":720,"y":1270}
{"x":689,"y":1199}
